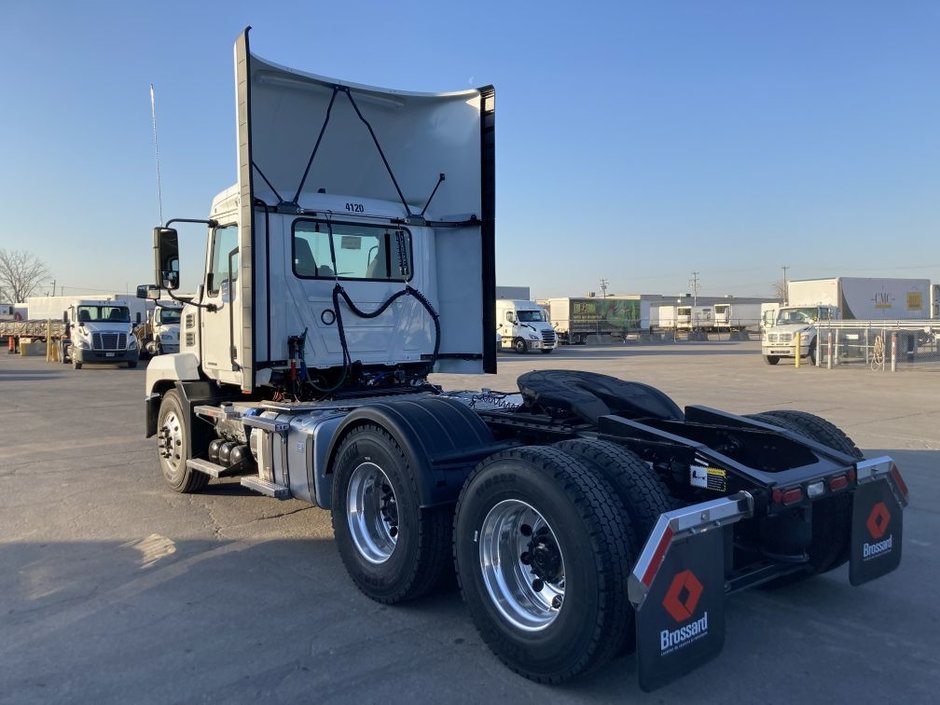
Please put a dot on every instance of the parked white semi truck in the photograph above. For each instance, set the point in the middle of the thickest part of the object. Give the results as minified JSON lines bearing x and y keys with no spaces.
{"x":92,"y":330}
{"x":160,"y":333}
{"x":585,"y":516}
{"x":522,"y":326}
{"x":840,"y":298}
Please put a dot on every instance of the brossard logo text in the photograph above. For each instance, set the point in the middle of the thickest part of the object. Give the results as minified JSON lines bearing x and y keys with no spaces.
{"x":872,"y":550}
{"x":670,"y":640}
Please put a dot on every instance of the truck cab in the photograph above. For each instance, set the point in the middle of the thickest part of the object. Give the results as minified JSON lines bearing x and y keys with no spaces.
{"x":164,"y":333}
{"x":792,"y":324}
{"x":100,"y":332}
{"x":523,"y":326}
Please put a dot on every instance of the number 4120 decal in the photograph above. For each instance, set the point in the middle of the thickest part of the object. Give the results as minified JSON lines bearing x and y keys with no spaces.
{"x":355,"y":208}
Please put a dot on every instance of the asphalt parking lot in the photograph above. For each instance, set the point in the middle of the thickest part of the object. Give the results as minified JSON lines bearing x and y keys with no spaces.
{"x":113,"y":589}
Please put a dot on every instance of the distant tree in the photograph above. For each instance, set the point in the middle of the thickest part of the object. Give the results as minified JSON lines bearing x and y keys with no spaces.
{"x":780,"y":289}
{"x":20,"y":273}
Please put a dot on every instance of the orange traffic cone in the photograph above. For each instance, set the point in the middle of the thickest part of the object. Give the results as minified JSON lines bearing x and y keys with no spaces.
{"x":11,"y":345}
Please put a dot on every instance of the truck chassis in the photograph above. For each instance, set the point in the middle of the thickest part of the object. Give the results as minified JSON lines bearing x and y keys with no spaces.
{"x":586,"y":516}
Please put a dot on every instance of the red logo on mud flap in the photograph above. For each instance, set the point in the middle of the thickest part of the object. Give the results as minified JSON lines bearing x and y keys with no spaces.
{"x":682,"y":596}
{"x":878,"y":520}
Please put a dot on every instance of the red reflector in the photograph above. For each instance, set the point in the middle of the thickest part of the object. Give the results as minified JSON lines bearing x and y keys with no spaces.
{"x":898,"y":480}
{"x":838,"y":482}
{"x":658,"y":556}
{"x":790,"y":496}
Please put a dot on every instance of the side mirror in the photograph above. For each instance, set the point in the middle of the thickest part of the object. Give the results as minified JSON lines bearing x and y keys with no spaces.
{"x":166,"y":250}
{"x":65,"y":316}
{"x":148,"y":291}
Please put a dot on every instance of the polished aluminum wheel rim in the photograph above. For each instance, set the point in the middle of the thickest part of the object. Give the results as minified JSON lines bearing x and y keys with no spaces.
{"x":372,"y":513}
{"x":170,"y":445}
{"x":527,"y":599}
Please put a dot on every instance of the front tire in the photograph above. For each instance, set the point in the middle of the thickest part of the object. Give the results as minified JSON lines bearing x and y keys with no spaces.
{"x":392,"y":549}
{"x":543,"y":559}
{"x":546,"y":351}
{"x":519,"y":346}
{"x":76,"y":364}
{"x":174,"y":444}
{"x":771,"y":359}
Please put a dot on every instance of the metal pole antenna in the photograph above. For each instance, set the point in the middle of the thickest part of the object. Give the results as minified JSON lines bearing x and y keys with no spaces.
{"x":156,"y":152}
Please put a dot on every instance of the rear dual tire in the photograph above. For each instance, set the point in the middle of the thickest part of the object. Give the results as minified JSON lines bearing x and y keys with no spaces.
{"x":832,"y":516}
{"x":543,"y":554}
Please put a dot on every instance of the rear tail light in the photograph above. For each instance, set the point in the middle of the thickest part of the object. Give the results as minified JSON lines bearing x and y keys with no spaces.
{"x":787,"y":496}
{"x":839,"y":482}
{"x":899,"y":481}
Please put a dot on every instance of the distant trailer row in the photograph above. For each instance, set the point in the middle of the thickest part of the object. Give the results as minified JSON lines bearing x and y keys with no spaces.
{"x":577,"y":319}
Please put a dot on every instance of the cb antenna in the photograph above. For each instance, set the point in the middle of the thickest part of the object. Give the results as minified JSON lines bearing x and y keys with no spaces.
{"x":156,"y":151}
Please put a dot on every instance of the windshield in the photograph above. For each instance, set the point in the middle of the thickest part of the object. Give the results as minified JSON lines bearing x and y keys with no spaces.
{"x":530,"y":316}
{"x":91,"y":314}
{"x":168,"y":316}
{"x":797,"y":315}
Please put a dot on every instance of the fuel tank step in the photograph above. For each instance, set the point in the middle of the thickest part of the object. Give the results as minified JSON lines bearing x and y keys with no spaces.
{"x":271,"y":489}
{"x":212,"y":469}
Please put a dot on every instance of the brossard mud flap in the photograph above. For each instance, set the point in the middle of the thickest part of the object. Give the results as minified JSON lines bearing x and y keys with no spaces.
{"x":678,"y":589}
{"x":678,"y":584}
{"x":877,"y":520}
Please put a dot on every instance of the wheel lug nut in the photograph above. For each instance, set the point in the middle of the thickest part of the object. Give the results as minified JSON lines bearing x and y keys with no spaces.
{"x":556,"y":603}
{"x":538,"y":585}
{"x":525,"y":558}
{"x":525,"y":530}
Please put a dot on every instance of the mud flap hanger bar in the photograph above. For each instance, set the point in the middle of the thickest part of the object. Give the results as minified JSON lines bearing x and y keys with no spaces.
{"x":883,"y":468}
{"x":679,"y":524}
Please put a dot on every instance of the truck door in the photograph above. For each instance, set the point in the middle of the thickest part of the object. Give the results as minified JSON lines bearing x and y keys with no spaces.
{"x":220,"y":336}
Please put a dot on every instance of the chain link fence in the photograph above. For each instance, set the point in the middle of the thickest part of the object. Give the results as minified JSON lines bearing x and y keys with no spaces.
{"x":880,"y":345}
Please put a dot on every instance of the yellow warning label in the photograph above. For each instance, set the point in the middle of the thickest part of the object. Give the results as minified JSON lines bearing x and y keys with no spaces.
{"x":717,"y":479}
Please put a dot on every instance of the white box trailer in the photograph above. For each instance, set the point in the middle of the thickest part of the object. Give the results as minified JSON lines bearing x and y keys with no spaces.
{"x":865,"y":298}
{"x":735,"y":316}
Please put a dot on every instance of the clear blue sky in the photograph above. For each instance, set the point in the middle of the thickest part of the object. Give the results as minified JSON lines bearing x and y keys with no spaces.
{"x":637,"y":141}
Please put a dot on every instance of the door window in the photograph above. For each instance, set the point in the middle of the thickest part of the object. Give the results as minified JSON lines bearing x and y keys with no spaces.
{"x":224,"y":240}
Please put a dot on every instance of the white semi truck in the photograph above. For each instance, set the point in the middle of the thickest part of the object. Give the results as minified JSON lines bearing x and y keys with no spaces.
{"x":585,"y":516}
{"x":840,"y":298}
{"x":522,"y":326}
{"x":86,"y":330}
{"x":160,"y":333}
